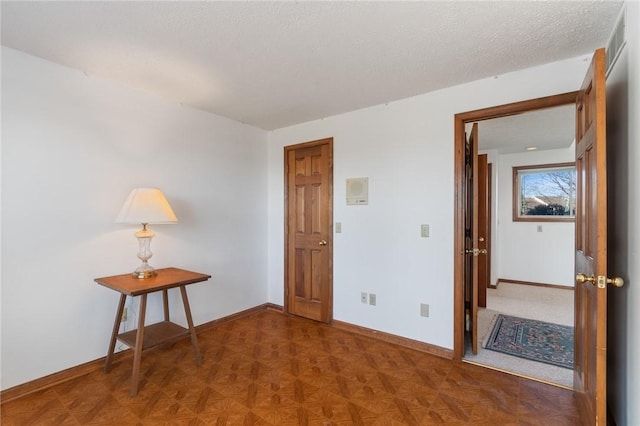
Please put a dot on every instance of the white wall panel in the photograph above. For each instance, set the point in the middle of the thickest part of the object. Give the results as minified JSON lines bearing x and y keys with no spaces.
{"x":524,"y":254}
{"x":73,"y":146}
{"x":406,"y":150}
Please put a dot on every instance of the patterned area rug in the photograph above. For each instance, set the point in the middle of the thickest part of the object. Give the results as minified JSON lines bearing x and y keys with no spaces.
{"x":531,"y":339}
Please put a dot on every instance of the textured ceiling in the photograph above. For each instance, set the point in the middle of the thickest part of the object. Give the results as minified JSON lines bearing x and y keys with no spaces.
{"x":550,"y":128}
{"x":274,"y":64}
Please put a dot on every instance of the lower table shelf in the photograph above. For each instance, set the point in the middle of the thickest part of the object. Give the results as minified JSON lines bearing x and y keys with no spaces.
{"x":155,"y":334}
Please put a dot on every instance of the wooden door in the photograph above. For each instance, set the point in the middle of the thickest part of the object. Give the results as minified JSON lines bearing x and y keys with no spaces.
{"x":590,"y":373}
{"x":309,"y":230}
{"x":484,"y":218}
{"x":471,"y":236}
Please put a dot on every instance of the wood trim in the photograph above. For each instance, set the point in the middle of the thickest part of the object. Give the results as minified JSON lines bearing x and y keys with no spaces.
{"x":489,"y":222}
{"x":274,"y":307}
{"x":484,"y":228}
{"x":558,"y":286}
{"x":242,"y":314}
{"x":394,"y":339}
{"x":458,"y":238}
{"x":513,"y":373}
{"x":61,"y":377}
{"x":515,"y":108}
{"x":459,"y":122}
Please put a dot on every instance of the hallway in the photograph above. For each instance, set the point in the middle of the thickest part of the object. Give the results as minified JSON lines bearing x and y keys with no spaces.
{"x":541,"y":303}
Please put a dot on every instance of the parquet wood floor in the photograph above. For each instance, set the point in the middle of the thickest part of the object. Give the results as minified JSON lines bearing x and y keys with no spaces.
{"x":272,"y":369}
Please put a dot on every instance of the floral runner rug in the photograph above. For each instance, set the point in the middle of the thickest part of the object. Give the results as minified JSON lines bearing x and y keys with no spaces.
{"x":532,"y":339}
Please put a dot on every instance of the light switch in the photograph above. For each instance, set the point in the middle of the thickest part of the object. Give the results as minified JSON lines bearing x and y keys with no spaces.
{"x":338,"y":227}
{"x":424,"y":230}
{"x":424,"y":310}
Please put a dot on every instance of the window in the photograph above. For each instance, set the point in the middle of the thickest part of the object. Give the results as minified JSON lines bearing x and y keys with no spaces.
{"x":544,"y":193}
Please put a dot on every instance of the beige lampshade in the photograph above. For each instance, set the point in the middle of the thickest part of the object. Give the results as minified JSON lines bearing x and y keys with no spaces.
{"x":146,"y":205}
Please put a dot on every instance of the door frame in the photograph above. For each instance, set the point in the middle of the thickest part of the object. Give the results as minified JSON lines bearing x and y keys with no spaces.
{"x":329,"y":239}
{"x":484,"y":226}
{"x":460,"y":120}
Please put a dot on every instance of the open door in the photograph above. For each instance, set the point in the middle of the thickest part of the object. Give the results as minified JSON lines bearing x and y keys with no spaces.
{"x":471,"y":237}
{"x":590,"y":376}
{"x":590,"y":372}
{"x":484,"y":228}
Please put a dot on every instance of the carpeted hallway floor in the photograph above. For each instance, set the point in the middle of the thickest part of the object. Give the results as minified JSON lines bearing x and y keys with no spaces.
{"x":541,"y":303}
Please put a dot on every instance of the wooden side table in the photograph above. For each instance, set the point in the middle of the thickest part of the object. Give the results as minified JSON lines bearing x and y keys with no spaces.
{"x":146,"y":337}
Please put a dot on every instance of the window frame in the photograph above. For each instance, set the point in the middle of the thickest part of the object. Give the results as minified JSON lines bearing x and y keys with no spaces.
{"x":516,"y":184}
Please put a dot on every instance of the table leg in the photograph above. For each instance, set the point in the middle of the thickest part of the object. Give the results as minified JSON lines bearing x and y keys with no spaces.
{"x":114,"y":334}
{"x":137,"y":355}
{"x":165,"y":302}
{"x":192,"y":329}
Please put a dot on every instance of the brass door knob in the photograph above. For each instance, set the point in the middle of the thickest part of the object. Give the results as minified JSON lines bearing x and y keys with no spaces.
{"x":322,"y":243}
{"x":616,"y":282}
{"x":602,"y":281}
{"x":582,"y":278}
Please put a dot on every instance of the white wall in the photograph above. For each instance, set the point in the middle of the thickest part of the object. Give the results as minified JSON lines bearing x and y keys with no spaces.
{"x":73,"y":146}
{"x":524,"y":254}
{"x":406,"y":150}
{"x":623,"y":134}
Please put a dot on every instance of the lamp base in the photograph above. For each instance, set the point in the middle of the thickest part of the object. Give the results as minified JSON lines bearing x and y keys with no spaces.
{"x":144,"y":271}
{"x":144,"y":237}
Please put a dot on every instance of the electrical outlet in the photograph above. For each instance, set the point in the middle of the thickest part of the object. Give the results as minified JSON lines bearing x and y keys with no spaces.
{"x":125,"y":315}
{"x":363,"y":297}
{"x":424,"y":230}
{"x":372,"y":299}
{"x":424,"y":310}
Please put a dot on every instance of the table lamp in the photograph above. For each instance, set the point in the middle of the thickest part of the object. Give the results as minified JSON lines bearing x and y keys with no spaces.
{"x":145,"y":206}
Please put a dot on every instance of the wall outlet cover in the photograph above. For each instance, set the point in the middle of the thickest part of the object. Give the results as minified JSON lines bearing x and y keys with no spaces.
{"x":424,"y":310}
{"x":372,"y":299}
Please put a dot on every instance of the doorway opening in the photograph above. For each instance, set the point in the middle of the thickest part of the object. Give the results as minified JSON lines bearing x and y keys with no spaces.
{"x":481,"y":298}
